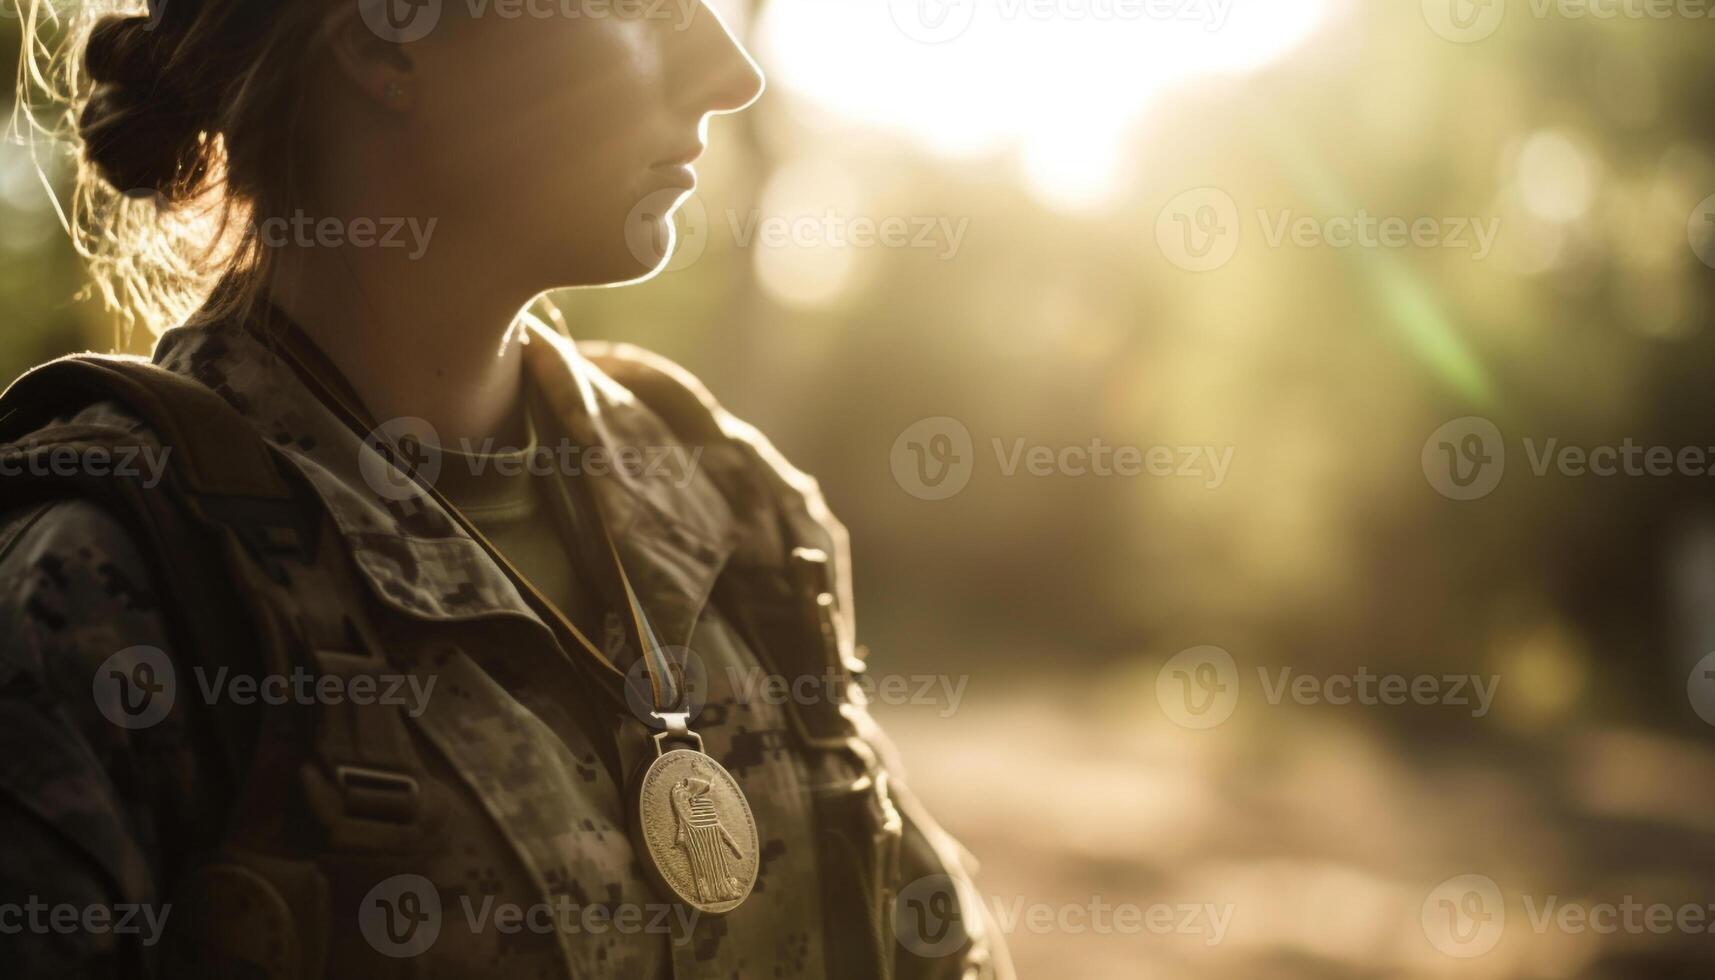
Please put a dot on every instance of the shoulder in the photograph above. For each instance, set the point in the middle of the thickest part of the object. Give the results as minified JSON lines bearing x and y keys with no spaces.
{"x":668,"y":389}
{"x":76,"y":391}
{"x":67,"y":570}
{"x":690,"y":409}
{"x":75,"y":591}
{"x":73,"y":576}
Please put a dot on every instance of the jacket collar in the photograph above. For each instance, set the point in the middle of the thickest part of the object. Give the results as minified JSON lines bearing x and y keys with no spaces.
{"x":674,"y":533}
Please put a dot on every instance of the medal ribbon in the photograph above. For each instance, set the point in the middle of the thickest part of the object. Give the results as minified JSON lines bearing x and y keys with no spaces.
{"x":666,"y":693}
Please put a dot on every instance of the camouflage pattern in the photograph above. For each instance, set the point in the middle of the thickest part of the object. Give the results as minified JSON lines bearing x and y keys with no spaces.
{"x":521,"y":806}
{"x":91,"y":813}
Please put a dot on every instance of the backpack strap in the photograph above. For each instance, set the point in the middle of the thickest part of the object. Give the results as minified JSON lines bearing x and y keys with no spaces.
{"x":256,"y":567}
{"x":49,"y":455}
{"x":182,"y":411}
{"x":227,"y":476}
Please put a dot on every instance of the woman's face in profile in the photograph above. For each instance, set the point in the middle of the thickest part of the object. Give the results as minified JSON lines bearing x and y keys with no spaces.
{"x":560,"y":132}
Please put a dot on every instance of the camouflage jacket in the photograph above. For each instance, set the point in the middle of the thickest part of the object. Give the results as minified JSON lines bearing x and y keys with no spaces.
{"x":134,"y":824}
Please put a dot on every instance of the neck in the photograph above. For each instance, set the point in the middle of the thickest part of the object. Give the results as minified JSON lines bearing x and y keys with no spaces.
{"x":413,"y":340}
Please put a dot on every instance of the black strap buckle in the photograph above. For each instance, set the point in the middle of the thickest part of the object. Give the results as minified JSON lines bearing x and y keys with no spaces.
{"x":377,"y":794}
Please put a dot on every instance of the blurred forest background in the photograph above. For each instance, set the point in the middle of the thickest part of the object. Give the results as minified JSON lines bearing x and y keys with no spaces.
{"x":1059,"y":145}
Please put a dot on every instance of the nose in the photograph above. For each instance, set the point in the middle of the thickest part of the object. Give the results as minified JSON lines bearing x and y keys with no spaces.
{"x":712,"y":70}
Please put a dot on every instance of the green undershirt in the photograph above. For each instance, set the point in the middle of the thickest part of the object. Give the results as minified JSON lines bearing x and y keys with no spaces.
{"x":531,"y":519}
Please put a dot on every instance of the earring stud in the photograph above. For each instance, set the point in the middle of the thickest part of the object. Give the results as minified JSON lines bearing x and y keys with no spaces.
{"x":395,"y":91}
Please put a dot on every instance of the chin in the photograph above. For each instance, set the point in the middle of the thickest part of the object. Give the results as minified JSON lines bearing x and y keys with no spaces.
{"x":648,"y":246}
{"x":641,"y":241}
{"x":618,"y":267}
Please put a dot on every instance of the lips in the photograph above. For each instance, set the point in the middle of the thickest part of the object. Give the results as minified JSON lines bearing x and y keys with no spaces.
{"x":684,"y":158}
{"x":684,"y":176}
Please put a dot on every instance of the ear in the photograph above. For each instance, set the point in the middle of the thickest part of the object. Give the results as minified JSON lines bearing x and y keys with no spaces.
{"x":377,"y":65}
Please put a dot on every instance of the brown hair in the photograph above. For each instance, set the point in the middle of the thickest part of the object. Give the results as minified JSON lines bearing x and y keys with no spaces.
{"x":184,"y":114}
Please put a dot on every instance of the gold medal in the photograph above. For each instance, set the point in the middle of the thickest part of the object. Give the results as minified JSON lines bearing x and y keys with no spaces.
{"x":692,"y":824}
{"x":695,"y":827}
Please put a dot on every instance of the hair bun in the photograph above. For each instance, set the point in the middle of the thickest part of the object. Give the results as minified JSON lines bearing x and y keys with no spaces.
{"x":139,"y":129}
{"x":122,"y":50}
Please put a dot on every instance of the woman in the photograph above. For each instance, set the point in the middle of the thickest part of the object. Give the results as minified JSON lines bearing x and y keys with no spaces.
{"x":403,"y":615}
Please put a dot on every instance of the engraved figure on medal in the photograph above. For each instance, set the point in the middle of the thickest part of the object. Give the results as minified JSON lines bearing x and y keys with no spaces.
{"x":698,"y":831}
{"x":705,"y":841}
